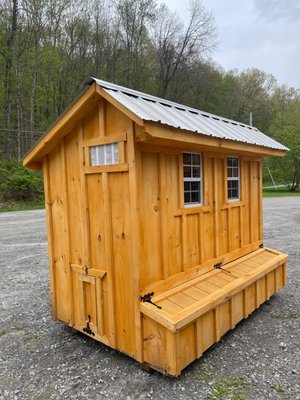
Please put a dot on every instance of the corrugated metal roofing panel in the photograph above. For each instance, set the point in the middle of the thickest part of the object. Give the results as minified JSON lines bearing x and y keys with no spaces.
{"x":155,"y":109}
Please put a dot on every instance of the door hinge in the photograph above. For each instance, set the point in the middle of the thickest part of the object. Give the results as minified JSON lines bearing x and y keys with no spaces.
{"x":87,"y":329}
{"x":219,"y":266}
{"x":147,"y":299}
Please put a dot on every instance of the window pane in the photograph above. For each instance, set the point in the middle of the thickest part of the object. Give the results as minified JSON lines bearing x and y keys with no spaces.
{"x":187,"y":197}
{"x":195,"y":185}
{"x":187,"y":159}
{"x":235,"y":161}
{"x":195,"y":197}
{"x":93,"y":155}
{"x":187,"y":186}
{"x":105,"y":154}
{"x":229,"y":172}
{"x":196,"y":159}
{"x":196,"y":172}
{"x":187,"y":172}
{"x":108,"y":155}
{"x":235,"y":172}
{"x":115,"y":153}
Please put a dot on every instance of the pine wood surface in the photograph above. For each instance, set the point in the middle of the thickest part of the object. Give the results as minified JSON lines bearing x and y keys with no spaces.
{"x":117,"y":232}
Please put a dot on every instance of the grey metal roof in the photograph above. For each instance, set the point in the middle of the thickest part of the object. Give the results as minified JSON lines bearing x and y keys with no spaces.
{"x":155,"y":109}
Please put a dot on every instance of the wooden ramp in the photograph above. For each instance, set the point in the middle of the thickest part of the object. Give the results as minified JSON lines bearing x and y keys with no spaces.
{"x":186,"y":320}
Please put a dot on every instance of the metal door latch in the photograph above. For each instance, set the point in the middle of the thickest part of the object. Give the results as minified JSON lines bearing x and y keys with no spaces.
{"x":219,"y":266}
{"x":87,"y":329}
{"x":147,"y":299}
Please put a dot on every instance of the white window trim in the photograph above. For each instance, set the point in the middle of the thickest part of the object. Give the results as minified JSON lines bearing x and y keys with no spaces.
{"x":196,"y":204}
{"x":235,"y":178}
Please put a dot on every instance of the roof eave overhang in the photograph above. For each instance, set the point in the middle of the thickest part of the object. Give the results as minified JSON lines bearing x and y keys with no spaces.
{"x":33,"y":158}
{"x":156,"y":133}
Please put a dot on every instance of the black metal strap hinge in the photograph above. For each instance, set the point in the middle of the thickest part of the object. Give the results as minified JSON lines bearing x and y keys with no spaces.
{"x":147,"y":299}
{"x":219,"y":266}
{"x":87,"y":329}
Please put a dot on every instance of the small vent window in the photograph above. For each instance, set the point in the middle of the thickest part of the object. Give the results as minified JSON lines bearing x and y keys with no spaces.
{"x":105,"y":154}
{"x":233,"y":178}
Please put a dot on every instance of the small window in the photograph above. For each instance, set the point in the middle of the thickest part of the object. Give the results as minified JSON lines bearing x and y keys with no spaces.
{"x":233,"y":178}
{"x":105,"y":154}
{"x":192,"y":176}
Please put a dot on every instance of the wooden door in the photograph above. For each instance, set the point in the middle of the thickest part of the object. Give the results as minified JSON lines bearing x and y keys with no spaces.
{"x":90,"y":294}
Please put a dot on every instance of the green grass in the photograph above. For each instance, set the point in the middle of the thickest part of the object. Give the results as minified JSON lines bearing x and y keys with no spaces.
{"x":229,"y":389}
{"x":21,"y":206}
{"x":279,"y":192}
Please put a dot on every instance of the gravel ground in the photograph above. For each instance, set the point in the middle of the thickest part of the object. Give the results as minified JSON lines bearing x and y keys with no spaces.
{"x":41,"y":359}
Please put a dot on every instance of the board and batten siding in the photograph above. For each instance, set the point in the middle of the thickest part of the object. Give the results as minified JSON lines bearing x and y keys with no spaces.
{"x":177,"y":239}
{"x":116,"y":232}
{"x":89,"y":230}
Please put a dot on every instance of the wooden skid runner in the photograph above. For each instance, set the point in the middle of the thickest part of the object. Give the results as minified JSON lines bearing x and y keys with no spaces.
{"x":194,"y":315}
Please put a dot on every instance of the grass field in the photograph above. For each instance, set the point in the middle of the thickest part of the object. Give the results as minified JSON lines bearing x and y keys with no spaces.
{"x":21,"y":206}
{"x":279,"y":192}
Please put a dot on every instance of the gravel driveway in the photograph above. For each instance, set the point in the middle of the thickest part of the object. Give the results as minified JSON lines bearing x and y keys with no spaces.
{"x":41,"y":359}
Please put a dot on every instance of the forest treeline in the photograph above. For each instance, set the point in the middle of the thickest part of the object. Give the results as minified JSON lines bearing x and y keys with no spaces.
{"x":48,"y":48}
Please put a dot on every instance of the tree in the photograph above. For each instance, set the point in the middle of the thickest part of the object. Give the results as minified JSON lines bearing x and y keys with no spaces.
{"x":286,"y":129}
{"x":175,"y":43}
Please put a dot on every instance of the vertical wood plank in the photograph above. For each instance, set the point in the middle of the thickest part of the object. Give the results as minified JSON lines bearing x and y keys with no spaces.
{"x":99,"y":306}
{"x":184,"y":242}
{"x":163,"y":216}
{"x":109,"y":257}
{"x":172,"y":346}
{"x":85,"y":228}
{"x":260,"y":203}
{"x":198,"y":336}
{"x":67,"y":216}
{"x":101,"y":118}
{"x":201,"y":238}
{"x":217,"y":323}
{"x":216,"y":208}
{"x":49,"y":217}
{"x":134,"y":163}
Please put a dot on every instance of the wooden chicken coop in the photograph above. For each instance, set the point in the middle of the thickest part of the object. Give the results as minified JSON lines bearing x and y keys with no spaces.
{"x":154,"y":216}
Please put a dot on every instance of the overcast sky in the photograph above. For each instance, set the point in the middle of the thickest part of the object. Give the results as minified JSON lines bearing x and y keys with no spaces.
{"x":264,"y":34}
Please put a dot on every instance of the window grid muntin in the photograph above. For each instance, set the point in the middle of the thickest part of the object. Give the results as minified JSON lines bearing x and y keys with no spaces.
{"x":233,"y":178}
{"x":192,"y":176}
{"x":104,"y":154}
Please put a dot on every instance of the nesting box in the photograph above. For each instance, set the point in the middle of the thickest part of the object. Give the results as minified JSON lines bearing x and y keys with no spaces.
{"x":154,"y":218}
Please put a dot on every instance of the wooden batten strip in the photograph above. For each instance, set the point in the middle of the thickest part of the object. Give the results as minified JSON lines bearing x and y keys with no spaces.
{"x":163,"y":217}
{"x":109,"y":257}
{"x":106,"y":169}
{"x":198,"y":336}
{"x":260,"y":201}
{"x":90,"y":271}
{"x":98,"y":141}
{"x":217,"y":329}
{"x":66,"y":202}
{"x":102,"y":118}
{"x":84,"y":200}
{"x":134,"y":165}
{"x":216,"y":210}
{"x":99,"y":306}
{"x":192,"y":210}
{"x":49,"y":217}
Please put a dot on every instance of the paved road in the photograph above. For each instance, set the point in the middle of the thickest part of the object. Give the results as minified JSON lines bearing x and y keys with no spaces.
{"x":41,"y":359}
